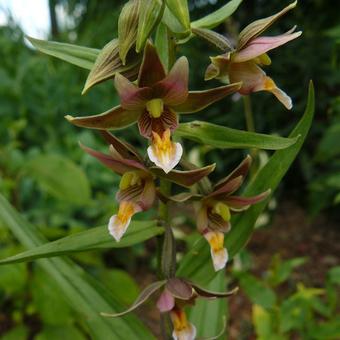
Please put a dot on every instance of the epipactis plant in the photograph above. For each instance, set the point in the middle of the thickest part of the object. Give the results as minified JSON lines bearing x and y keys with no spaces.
{"x":153,"y":90}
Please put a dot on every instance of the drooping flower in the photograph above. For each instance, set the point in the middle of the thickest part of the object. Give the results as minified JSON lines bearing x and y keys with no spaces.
{"x":137,"y":189}
{"x":214,"y":215}
{"x":155,"y":103}
{"x":243,"y":63}
{"x":176,"y":294}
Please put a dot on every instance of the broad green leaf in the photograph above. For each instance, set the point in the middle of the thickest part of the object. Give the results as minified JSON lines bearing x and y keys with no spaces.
{"x":60,"y":177}
{"x":85,"y":295}
{"x":214,"y":19}
{"x":162,"y":44}
{"x":92,"y":239}
{"x":180,"y":10}
{"x":174,"y":25}
{"x":257,"y":291}
{"x":262,"y":322}
{"x":196,"y":264}
{"x":227,"y":138}
{"x":329,"y":146}
{"x":209,"y":316}
{"x":149,"y":15}
{"x":18,"y":333}
{"x":78,"y":55}
{"x":65,"y":332}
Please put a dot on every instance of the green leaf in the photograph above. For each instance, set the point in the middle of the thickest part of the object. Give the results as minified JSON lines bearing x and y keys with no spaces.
{"x":64,"y":332}
{"x":257,"y":291}
{"x":18,"y":333}
{"x":180,"y":10}
{"x":60,"y":177}
{"x":227,"y":138}
{"x":174,"y":25}
{"x":196,"y":264}
{"x":209,"y":316}
{"x":78,"y":55}
{"x":333,"y":275}
{"x":92,"y":239}
{"x":262,"y":322}
{"x":149,"y":15}
{"x":162,"y":44}
{"x":214,"y":19}
{"x":329,"y":146}
{"x":85,"y":295}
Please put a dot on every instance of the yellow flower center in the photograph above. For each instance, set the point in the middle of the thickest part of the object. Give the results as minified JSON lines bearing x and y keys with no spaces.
{"x":162,"y":146}
{"x":269,"y":84}
{"x":155,"y":107}
{"x":216,"y":241}
{"x":179,"y":320}
{"x":223,"y":210}
{"x":126,"y":210}
{"x":128,"y":179}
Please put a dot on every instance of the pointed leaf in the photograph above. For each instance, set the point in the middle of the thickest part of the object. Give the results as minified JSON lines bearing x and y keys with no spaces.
{"x":108,"y":63}
{"x":115,"y":118}
{"x":85,"y":295}
{"x":240,"y":202}
{"x":81,"y":56}
{"x":127,"y":27}
{"x":144,"y":295}
{"x":184,"y":178}
{"x":150,"y":14}
{"x":257,"y":27}
{"x":88,"y":240}
{"x":214,"y":19}
{"x":199,"y":100}
{"x":173,"y":24}
{"x":213,"y":294}
{"x":180,"y":10}
{"x":227,"y":138}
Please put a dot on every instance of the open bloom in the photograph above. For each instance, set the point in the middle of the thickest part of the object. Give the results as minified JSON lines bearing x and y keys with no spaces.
{"x":215,"y":211}
{"x":154,"y":102}
{"x":243,"y":63}
{"x":137,"y":189}
{"x":176,"y":294}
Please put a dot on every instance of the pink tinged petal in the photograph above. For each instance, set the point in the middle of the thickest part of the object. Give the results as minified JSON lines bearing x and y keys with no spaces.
{"x":119,"y":166}
{"x":115,"y":118}
{"x":185,"y":178}
{"x":241,"y":170}
{"x":257,"y":27}
{"x":188,"y":333}
{"x":166,"y":301}
{"x":218,"y":68}
{"x":167,"y":120}
{"x":179,"y":288}
{"x":261,"y":45}
{"x":173,"y":89}
{"x":199,"y":100}
{"x":242,"y":203}
{"x":148,"y":195}
{"x":251,"y":76}
{"x":282,"y":97}
{"x":152,"y":69}
{"x":131,"y":96}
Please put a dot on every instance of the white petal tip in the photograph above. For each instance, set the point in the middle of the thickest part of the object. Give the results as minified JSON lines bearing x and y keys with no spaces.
{"x":189,"y":333}
{"x":219,"y":258}
{"x":166,"y":161}
{"x":116,"y":229}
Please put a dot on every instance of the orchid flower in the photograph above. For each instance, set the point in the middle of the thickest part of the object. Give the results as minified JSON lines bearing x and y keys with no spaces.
{"x":243,"y":63}
{"x":137,"y":189}
{"x":215,"y":211}
{"x":154,"y":102}
{"x":177,"y":293}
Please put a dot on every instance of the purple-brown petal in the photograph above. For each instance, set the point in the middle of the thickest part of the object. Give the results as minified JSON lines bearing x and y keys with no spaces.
{"x":125,"y":149}
{"x":211,"y":294}
{"x":115,"y":118}
{"x":148,"y":195}
{"x":228,"y":187}
{"x":131,"y":96}
{"x":241,"y":170}
{"x":120,"y":166}
{"x":217,"y":223}
{"x":199,"y":100}
{"x":179,"y":288}
{"x":240,"y":203}
{"x":152,"y":69}
{"x":131,"y":193}
{"x":184,"y":178}
{"x":173,"y":89}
